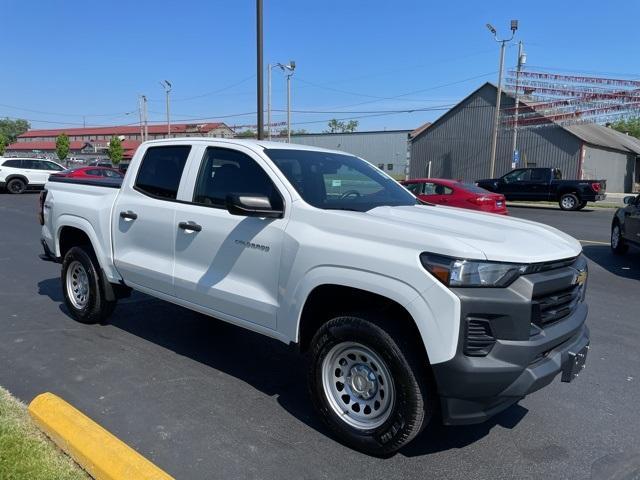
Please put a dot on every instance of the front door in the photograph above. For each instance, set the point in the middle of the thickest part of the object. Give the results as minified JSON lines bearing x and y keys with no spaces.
{"x":226,"y":263}
{"x":143,"y":219}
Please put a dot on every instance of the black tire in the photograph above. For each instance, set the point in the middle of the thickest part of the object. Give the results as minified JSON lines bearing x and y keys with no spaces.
{"x":96,"y":308}
{"x":582,"y":205}
{"x":618,"y":247}
{"x":16,"y":186}
{"x":569,"y":201}
{"x":413,"y":390}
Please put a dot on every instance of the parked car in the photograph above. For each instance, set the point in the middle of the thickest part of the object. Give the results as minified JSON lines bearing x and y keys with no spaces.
{"x":123,"y":167}
{"x":454,"y":193}
{"x":19,"y":174}
{"x":407,"y":310}
{"x":625,"y":227}
{"x":90,"y":172}
{"x":546,"y":184}
{"x":101,"y":163}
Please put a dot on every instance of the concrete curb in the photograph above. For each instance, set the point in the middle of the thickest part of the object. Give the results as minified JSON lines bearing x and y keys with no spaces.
{"x":100,"y":453}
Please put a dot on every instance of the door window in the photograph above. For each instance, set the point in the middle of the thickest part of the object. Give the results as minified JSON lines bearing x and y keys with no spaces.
{"x":225,"y":172}
{"x":52,"y":166}
{"x":415,"y":188}
{"x":517,"y":176}
{"x":161,"y":170}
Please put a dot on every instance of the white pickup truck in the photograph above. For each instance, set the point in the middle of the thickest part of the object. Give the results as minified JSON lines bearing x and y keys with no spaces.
{"x":407,"y":311}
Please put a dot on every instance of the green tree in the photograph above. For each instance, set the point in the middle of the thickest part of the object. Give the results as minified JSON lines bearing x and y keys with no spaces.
{"x":630,"y":126}
{"x":115,"y":150}
{"x":247,"y":134}
{"x":12,"y":128}
{"x":3,"y":144}
{"x":62,"y":146}
{"x":338,"y":126}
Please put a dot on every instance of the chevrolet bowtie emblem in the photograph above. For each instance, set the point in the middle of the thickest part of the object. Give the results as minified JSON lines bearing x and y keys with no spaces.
{"x":581,"y":277}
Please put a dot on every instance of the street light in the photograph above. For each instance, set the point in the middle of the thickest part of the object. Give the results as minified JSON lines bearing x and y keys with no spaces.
{"x":496,"y":118}
{"x":288,"y":70}
{"x":167,"y":88}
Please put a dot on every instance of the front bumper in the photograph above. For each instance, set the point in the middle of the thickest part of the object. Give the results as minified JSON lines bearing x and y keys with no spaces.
{"x":523,"y":358}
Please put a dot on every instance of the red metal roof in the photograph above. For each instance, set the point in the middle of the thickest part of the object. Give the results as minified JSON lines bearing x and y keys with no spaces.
{"x":75,"y":145}
{"x":126,"y":130}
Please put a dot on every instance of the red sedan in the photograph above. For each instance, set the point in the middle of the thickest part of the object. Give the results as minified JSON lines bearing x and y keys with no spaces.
{"x":455,"y":193}
{"x":89,"y":172}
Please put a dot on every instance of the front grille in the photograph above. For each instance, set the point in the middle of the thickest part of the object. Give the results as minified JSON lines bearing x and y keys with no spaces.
{"x":550,"y":308}
{"x":479,"y":339}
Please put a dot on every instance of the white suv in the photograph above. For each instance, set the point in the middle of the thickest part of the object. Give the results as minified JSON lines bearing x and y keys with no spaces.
{"x":17,"y":174}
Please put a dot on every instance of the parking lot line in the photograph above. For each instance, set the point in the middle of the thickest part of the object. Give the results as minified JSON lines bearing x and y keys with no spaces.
{"x":594,"y":242}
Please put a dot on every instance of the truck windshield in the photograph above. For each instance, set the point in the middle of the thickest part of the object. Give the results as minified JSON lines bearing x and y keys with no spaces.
{"x":333,"y":181}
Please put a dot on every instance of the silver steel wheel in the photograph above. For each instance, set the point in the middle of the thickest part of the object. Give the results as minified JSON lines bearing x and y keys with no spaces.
{"x":358,"y":385}
{"x":568,"y":202}
{"x":615,"y":236}
{"x":77,"y":285}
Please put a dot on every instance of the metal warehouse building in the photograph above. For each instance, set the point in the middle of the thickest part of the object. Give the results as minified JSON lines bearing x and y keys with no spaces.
{"x":388,"y":149}
{"x":458,"y":145}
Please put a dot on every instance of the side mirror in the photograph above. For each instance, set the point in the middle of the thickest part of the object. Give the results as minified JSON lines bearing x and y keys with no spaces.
{"x":251,"y":206}
{"x":629,"y":200}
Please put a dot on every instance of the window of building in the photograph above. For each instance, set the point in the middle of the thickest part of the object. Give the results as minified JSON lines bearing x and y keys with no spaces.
{"x":161,"y":169}
{"x":225,"y":172}
{"x":381,"y":166}
{"x":389,"y":166}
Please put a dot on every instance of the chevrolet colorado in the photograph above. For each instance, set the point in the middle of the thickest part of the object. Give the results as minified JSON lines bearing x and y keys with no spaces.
{"x":407,"y":311}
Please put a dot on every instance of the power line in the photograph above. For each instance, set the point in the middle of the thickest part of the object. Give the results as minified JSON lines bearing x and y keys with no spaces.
{"x":66,"y":114}
{"x":213,"y":92}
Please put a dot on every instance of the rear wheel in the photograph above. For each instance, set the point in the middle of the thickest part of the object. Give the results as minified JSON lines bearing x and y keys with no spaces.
{"x":370,"y":387}
{"x":569,"y":201}
{"x":16,"y":186}
{"x":84,"y":294}
{"x":582,"y":205}
{"x":618,"y":245}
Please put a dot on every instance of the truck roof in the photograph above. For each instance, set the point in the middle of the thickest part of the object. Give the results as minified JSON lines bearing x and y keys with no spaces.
{"x":261,"y":144}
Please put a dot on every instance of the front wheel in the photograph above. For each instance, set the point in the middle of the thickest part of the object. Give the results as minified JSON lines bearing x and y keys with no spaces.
{"x":84,"y":294}
{"x":373,"y":395}
{"x":569,"y":201}
{"x":618,"y":245}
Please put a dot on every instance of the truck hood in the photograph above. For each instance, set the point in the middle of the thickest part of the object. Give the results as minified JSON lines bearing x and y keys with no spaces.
{"x":460,"y":232}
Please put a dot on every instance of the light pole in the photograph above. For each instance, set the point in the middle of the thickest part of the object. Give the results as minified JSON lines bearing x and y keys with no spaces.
{"x":167,"y":88}
{"x":496,"y":117}
{"x":259,"y":73}
{"x":522,"y":59}
{"x":288,"y":70}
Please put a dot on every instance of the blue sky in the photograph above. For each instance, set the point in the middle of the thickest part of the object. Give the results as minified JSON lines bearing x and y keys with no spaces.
{"x":66,"y":59}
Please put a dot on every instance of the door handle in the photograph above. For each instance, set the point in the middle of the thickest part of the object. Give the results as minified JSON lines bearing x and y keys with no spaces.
{"x":190,"y":226}
{"x":128,"y":215}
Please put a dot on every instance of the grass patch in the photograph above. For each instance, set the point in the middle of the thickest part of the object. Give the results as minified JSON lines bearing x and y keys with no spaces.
{"x":25,"y":452}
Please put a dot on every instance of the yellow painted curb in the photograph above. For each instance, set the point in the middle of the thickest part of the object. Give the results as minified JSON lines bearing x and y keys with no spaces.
{"x":96,"y":450}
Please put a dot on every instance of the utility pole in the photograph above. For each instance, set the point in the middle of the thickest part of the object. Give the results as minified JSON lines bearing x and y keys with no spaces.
{"x":145,"y":118}
{"x":522,"y":59}
{"x":496,"y":117}
{"x":141,"y":120}
{"x":259,"y":67}
{"x":84,"y":122}
{"x":166,"y":84}
{"x":269,"y":101}
{"x":289,"y":106}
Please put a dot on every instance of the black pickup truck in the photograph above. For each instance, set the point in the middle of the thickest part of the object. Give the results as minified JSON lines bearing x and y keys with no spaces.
{"x":546,"y":184}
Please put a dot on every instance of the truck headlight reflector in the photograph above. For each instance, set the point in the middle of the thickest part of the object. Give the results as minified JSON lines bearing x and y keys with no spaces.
{"x":456,"y":272}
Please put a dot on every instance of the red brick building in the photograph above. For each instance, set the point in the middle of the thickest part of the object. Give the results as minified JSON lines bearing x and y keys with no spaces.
{"x":92,"y":142}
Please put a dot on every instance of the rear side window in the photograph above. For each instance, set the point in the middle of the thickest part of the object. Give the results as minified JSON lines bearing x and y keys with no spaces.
{"x":161,"y":169}
{"x":12,"y":163}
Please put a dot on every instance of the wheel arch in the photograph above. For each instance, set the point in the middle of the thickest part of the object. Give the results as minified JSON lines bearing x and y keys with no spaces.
{"x":74,"y":231}
{"x":18,"y":176}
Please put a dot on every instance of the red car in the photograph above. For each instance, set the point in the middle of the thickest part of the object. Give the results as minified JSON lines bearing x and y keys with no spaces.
{"x":454,"y":193}
{"x":89,"y":172}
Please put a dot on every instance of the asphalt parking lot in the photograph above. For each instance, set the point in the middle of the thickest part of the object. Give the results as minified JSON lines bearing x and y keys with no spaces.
{"x":204,"y":399}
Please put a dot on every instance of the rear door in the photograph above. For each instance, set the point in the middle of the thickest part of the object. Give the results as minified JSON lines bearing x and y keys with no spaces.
{"x":143,"y":219}
{"x":229,"y":264}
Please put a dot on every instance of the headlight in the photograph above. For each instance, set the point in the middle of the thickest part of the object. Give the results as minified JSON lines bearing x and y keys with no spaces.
{"x":455,"y":272}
